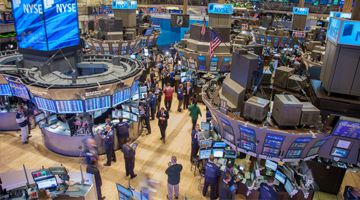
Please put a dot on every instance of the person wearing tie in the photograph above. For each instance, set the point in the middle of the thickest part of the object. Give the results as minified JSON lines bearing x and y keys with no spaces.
{"x":188,"y":91}
{"x":162,"y":116}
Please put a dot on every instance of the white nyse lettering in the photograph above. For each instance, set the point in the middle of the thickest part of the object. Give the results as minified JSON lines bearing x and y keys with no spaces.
{"x":32,"y":8}
{"x":61,"y":8}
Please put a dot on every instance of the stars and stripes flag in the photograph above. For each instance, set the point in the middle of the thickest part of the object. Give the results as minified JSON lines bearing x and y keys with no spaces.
{"x":203,"y":28}
{"x":215,"y":41}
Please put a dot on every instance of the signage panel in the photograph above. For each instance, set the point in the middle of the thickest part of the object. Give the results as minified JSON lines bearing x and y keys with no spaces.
{"x":333,"y":29}
{"x":350,"y":33}
{"x":124,"y":5}
{"x":300,"y":11}
{"x":340,"y":14}
{"x":224,"y":9}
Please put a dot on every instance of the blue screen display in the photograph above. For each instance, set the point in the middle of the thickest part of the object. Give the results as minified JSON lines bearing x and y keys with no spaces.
{"x":127,"y":94}
{"x":18,"y":89}
{"x":29,"y":24}
{"x":97,"y":103}
{"x":45,"y":104}
{"x":274,"y":141}
{"x":347,"y":129}
{"x":124,"y":5}
{"x":61,"y":23}
{"x":350,"y":33}
{"x":73,"y":106}
{"x":214,"y":63}
{"x":340,"y":14}
{"x":333,"y":29}
{"x":5,"y":90}
{"x":118,"y":98}
{"x":300,"y":11}
{"x":201,"y":63}
{"x":135,"y":88}
{"x":216,"y":8}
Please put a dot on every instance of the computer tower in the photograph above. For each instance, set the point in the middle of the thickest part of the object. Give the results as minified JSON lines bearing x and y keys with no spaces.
{"x":286,"y":110}
{"x":310,"y":115}
{"x":266,"y":77}
{"x":243,"y":68}
{"x":256,"y":108}
{"x":296,"y":82}
{"x":282,"y":75}
{"x":233,"y":93}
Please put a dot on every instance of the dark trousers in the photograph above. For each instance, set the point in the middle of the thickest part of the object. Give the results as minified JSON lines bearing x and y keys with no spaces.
{"x":158,"y":103}
{"x":162,"y":131}
{"x":194,"y":151}
{"x":168,"y":104}
{"x":180,"y":103}
{"x":129,"y":166}
{"x":121,"y":141}
{"x":110,"y":154}
{"x":147,"y":123}
{"x":153,"y":111}
{"x":186,"y":101}
{"x":194,"y":121}
{"x":98,"y":191}
{"x":212,"y":189}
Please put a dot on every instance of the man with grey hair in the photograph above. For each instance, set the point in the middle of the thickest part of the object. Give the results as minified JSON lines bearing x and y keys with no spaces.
{"x":173,"y":173}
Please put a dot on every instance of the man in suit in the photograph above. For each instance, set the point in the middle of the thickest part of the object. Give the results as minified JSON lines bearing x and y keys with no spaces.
{"x":122,"y":132}
{"x":108,"y":138}
{"x":188,"y":91}
{"x":163,"y":117}
{"x":129,"y":157}
{"x":212,"y":174}
{"x":152,"y":104}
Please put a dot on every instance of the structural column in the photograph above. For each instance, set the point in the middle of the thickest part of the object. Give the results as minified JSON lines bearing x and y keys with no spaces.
{"x":302,"y":3}
{"x":355,"y":10}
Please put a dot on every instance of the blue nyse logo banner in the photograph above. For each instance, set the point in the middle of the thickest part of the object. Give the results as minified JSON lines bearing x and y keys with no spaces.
{"x":61,"y":21}
{"x":216,"y":8}
{"x":340,"y":14}
{"x":124,"y":5}
{"x":300,"y":11}
{"x":29,"y":24}
{"x":46,"y":25}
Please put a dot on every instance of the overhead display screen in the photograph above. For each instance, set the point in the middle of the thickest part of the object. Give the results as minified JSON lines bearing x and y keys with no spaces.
{"x":247,"y":138}
{"x":347,"y":128}
{"x":61,"y":23}
{"x":5,"y":90}
{"x":225,"y":65}
{"x":124,"y":5}
{"x":300,"y":11}
{"x":17,"y":88}
{"x":97,"y":103}
{"x":45,"y":104}
{"x":73,"y":106}
{"x":118,"y":98}
{"x":350,"y":33}
{"x":29,"y":24}
{"x":273,"y":144}
{"x":216,"y":8}
{"x":135,"y":88}
{"x":201,"y":63}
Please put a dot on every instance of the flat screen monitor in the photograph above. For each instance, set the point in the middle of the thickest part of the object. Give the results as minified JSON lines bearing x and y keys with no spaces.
{"x":204,"y":144}
{"x":126,"y":108}
{"x":201,"y":63}
{"x":135,"y":97}
{"x":347,"y":127}
{"x":143,"y":89}
{"x":118,"y":98}
{"x":148,"y":31}
{"x":219,"y":145}
{"x":115,"y":114}
{"x":45,"y":104}
{"x":39,"y":117}
{"x":204,"y":154}
{"x":5,"y":90}
{"x":133,"y":117}
{"x":125,"y":115}
{"x":48,"y":183}
{"x":97,"y":113}
{"x":337,"y":152}
{"x":230,"y":154}
{"x":271,"y":165}
{"x":280,"y":177}
{"x":143,"y":95}
{"x":52,"y":119}
{"x":135,"y":110}
{"x":288,"y":187}
{"x":344,"y":144}
{"x":218,"y":153}
{"x":205,"y":126}
{"x":124,"y":193}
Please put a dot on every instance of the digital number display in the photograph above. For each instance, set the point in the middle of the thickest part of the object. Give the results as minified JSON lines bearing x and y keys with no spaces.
{"x":118,"y":98}
{"x":274,"y":141}
{"x":5,"y":90}
{"x":135,"y":88}
{"x":71,"y":106}
{"x":201,"y":63}
{"x":349,"y":129}
{"x":97,"y":103}
{"x":214,"y":63}
{"x":18,"y":89}
{"x":45,"y":104}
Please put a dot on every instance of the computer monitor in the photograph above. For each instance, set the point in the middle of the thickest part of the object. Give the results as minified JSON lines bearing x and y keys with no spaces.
{"x":182,"y":74}
{"x":126,"y":108}
{"x":280,"y":177}
{"x":143,"y":95}
{"x":124,"y":193}
{"x":135,"y":97}
{"x":230,"y":154}
{"x":271,"y":165}
{"x":52,"y":119}
{"x":134,"y":110}
{"x":204,"y":154}
{"x":48,"y":183}
{"x":125,"y":114}
{"x":205,"y":126}
{"x":97,"y":114}
{"x":288,"y":186}
{"x":219,"y":145}
{"x":204,"y":144}
{"x":133,"y":117}
{"x":218,"y":153}
{"x":39,"y":117}
{"x":143,"y":89}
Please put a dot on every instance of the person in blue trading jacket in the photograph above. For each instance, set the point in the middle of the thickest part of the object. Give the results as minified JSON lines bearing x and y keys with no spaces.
{"x":267,"y":190}
{"x":180,"y":96}
{"x":145,"y":117}
{"x":122,"y":132}
{"x":108,"y":138}
{"x":152,"y":103}
{"x":163,"y":117}
{"x":22,"y":121}
{"x":194,"y":142}
{"x":212,"y":173}
{"x":208,"y":115}
{"x":225,"y":188}
{"x":129,"y":157}
{"x":92,"y":169}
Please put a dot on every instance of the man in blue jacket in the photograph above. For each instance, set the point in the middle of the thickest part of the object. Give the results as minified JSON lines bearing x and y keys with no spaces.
{"x":212,"y":173}
{"x":152,"y":104}
{"x":108,"y":137}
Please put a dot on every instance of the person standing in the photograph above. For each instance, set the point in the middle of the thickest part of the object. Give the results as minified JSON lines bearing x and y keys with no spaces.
{"x":194,"y":113}
{"x":212,"y":173}
{"x":163,"y":117}
{"x":23,"y":122}
{"x":158,"y":94}
{"x":152,"y":104}
{"x":168,"y":91}
{"x":180,"y":96}
{"x":145,"y":118}
{"x":194,"y":142}
{"x":122,"y":132}
{"x":188,"y":91}
{"x":267,"y":191}
{"x":225,"y":188}
{"x":93,"y":169}
{"x":129,"y":157}
{"x":173,"y":172}
{"x":108,"y":138}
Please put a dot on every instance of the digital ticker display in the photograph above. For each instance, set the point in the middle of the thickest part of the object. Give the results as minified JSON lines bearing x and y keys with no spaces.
{"x":97,"y":103}
{"x":5,"y":90}
{"x":46,"y":25}
{"x":45,"y":104}
{"x":70,"y":106}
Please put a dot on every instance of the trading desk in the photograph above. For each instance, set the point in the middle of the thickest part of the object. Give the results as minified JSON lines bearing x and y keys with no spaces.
{"x":8,"y":120}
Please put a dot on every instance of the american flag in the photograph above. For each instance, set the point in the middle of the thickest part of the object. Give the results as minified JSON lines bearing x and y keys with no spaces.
{"x":214,"y":43}
{"x":203,"y":28}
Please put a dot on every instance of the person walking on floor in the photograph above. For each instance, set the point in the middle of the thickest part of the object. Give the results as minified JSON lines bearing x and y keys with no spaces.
{"x":168,"y":91}
{"x":152,"y":104}
{"x":173,"y":172}
{"x":194,"y":142}
{"x":129,"y":157}
{"x":188,"y":91}
{"x":23,"y":122}
{"x":180,"y":96}
{"x":163,"y":117}
{"x":194,"y":113}
{"x":158,"y":94}
{"x":92,"y":168}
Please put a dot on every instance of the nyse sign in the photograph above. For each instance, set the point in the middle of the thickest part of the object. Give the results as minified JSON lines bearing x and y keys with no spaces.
{"x":124,"y":5}
{"x":216,"y":8}
{"x":300,"y":11}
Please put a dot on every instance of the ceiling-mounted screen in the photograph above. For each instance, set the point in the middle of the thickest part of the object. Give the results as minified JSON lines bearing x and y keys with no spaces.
{"x":45,"y":104}
{"x":97,"y":103}
{"x":70,"y":106}
{"x":5,"y":90}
